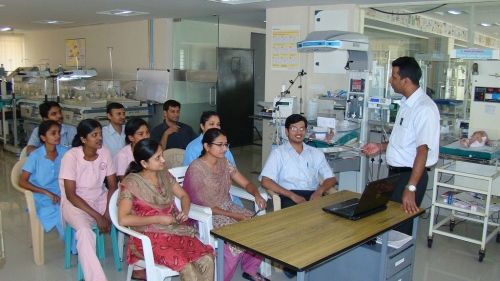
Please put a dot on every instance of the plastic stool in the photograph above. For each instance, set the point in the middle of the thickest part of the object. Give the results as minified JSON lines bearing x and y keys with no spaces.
{"x":117,"y":257}
{"x":100,"y":248}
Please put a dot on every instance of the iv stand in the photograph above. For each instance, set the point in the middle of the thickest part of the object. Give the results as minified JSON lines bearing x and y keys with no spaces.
{"x":299,"y":74}
{"x":277,"y":138}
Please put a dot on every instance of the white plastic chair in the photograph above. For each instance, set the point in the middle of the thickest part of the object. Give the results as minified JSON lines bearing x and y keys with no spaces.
{"x":154,"y":272}
{"x":37,"y":232}
{"x":24,"y":153}
{"x":179,"y":173}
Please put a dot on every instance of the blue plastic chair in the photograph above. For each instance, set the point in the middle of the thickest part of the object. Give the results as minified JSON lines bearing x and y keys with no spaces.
{"x":100,"y":248}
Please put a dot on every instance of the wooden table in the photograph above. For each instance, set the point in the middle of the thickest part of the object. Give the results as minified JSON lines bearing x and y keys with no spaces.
{"x":304,"y":237}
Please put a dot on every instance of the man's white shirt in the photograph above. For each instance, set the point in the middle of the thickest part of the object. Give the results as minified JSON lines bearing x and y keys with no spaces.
{"x":416,"y":124}
{"x":294,"y":171}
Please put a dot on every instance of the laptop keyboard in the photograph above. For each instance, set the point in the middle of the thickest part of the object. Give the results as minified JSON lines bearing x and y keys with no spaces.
{"x":345,"y":205}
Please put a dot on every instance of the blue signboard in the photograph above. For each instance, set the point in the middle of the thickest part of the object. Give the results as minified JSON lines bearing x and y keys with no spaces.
{"x":474,"y":54}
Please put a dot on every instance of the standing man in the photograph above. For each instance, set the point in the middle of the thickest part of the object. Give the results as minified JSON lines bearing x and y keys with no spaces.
{"x":295,"y":171}
{"x":113,"y":135}
{"x":414,"y":141}
{"x":171,"y":133}
{"x":51,"y":110}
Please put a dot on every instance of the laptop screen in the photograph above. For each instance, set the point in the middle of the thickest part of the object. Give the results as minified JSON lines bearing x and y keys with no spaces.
{"x":377,"y":193}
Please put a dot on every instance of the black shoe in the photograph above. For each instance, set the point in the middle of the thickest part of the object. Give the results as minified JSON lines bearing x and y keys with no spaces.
{"x":257,"y":277}
{"x":289,"y":273}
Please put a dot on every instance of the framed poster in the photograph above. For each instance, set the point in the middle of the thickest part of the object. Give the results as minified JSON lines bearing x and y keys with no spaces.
{"x":75,"y":52}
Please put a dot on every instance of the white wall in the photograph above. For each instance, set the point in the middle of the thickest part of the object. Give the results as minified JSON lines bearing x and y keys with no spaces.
{"x":313,"y":84}
{"x":11,"y":50}
{"x":304,"y":18}
{"x":129,"y":41}
{"x":234,"y":36}
{"x":162,"y":43}
{"x":296,"y":16}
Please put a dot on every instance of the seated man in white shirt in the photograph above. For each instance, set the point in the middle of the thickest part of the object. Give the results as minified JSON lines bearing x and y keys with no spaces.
{"x":113,"y":135}
{"x":51,"y":110}
{"x":295,"y":171}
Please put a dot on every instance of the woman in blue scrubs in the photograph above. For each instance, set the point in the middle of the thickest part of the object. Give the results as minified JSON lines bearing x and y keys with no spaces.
{"x":40,"y":175}
{"x":208,"y":120}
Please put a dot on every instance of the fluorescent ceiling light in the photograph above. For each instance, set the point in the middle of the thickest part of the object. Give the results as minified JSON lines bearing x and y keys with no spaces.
{"x":236,"y":2}
{"x":455,"y":12}
{"x":121,"y":12}
{"x":53,"y":22}
{"x":2,"y":5}
{"x":485,"y":24}
{"x":6,"y":28}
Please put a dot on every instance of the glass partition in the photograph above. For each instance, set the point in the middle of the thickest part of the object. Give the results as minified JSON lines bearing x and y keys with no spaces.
{"x":195,"y":43}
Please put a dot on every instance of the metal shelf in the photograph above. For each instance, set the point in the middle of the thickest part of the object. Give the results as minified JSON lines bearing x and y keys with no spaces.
{"x":467,"y":177}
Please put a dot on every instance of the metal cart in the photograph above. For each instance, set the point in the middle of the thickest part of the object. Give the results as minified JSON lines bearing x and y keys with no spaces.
{"x":480,"y":179}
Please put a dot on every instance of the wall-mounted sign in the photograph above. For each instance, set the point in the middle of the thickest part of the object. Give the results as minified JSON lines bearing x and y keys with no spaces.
{"x":475,"y":54}
{"x":75,"y":52}
{"x":284,"y":53}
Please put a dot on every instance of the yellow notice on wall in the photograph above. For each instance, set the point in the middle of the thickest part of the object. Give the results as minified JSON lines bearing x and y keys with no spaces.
{"x":75,"y":52}
{"x":284,"y":53}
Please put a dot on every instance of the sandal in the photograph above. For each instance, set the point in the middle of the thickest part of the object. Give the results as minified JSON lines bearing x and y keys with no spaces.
{"x":139,"y":275}
{"x":256,"y":277}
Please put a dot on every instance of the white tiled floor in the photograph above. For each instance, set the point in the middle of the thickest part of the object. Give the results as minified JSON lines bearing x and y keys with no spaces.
{"x":448,"y":259}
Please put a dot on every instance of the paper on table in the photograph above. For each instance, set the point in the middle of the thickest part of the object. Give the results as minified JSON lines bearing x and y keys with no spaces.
{"x":396,"y":239}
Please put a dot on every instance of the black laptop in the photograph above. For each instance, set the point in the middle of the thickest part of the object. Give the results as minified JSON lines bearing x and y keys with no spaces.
{"x":374,"y":199}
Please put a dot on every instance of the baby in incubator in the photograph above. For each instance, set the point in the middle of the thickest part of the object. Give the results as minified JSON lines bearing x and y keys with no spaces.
{"x":478,"y":139}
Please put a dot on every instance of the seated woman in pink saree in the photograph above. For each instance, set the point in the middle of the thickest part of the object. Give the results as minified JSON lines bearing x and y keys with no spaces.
{"x":146,"y":204}
{"x":207,"y":181}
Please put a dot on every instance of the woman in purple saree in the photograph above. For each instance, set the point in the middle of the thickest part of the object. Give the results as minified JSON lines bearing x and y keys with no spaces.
{"x":207,"y":181}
